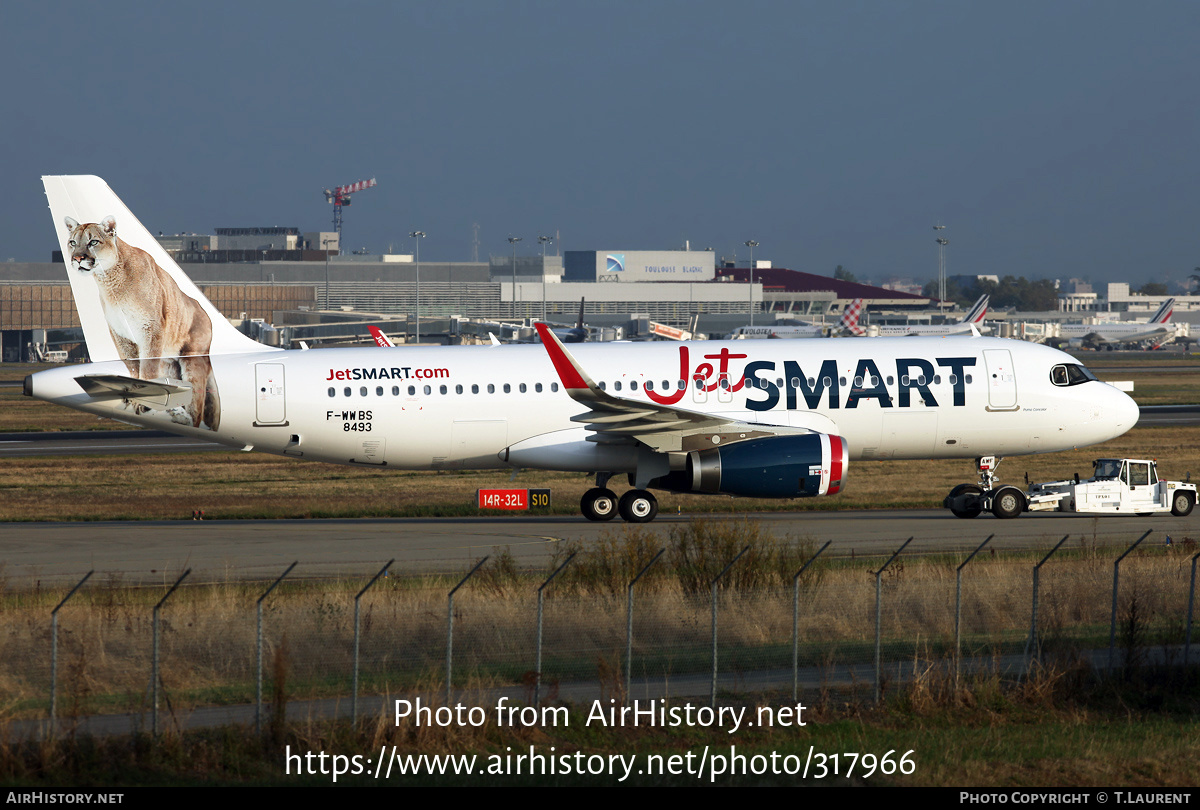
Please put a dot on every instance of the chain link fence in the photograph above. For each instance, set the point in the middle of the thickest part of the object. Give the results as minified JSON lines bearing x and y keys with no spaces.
{"x":629,"y":618}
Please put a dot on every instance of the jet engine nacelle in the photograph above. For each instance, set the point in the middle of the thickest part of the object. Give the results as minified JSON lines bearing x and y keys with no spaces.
{"x":776,"y":467}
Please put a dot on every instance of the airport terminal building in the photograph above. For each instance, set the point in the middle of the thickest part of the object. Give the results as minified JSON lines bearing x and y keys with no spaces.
{"x":275,"y":277}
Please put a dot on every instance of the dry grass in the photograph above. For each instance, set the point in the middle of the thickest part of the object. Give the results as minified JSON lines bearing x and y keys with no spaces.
{"x":235,"y":485}
{"x":208,"y":632}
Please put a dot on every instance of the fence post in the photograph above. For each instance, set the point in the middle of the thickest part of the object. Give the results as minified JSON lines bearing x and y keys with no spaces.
{"x":713,"y":696}
{"x":1112,"y":629}
{"x":357,"y":598}
{"x":629,"y":625}
{"x":154,"y":671}
{"x":796,"y":621}
{"x":879,"y":619}
{"x":259,"y":645}
{"x":1032,"y":644}
{"x":958,"y":610}
{"x":537,"y":683}
{"x":1187,"y":641}
{"x":450,"y":624}
{"x":54,"y":651}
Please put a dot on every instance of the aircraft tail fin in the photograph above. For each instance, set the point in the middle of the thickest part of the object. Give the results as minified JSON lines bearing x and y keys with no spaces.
{"x":978,"y":311}
{"x":1164,"y":312}
{"x":134,"y":301}
{"x":849,"y":320}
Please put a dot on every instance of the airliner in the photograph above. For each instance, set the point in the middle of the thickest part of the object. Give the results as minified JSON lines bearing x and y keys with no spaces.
{"x":846,"y":325}
{"x":971,"y":322}
{"x":1159,"y":330}
{"x":767,"y":419}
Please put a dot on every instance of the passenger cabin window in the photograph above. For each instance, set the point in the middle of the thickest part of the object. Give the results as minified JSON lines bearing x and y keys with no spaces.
{"x":428,"y":390}
{"x":412,"y":390}
{"x":379,"y":390}
{"x":395,"y":390}
{"x":332,"y":392}
{"x":554,"y":387}
{"x":362,"y":391}
{"x":491,"y":388}
{"x":474,"y":389}
{"x":507,"y":388}
{"x":537,"y":387}
{"x":346,"y":391}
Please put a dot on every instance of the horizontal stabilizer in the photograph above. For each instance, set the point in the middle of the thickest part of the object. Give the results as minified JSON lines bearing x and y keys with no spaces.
{"x":151,"y":393}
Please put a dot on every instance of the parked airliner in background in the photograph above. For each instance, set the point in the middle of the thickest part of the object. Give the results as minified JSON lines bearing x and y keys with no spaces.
{"x":846,"y":325}
{"x":762,"y":419}
{"x":971,"y":323}
{"x":1158,"y":330}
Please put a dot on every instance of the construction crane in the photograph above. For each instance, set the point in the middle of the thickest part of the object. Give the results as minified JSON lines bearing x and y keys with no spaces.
{"x":341,"y":196}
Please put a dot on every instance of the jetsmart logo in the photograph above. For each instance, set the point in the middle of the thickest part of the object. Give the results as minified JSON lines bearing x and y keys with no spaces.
{"x":616,"y":263}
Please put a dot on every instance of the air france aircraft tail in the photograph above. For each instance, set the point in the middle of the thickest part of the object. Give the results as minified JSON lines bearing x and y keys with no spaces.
{"x":977,"y":312}
{"x":1164,"y":312}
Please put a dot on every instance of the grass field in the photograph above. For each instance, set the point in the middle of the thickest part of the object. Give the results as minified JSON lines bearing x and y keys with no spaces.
{"x":1062,"y":725}
{"x":245,"y":485}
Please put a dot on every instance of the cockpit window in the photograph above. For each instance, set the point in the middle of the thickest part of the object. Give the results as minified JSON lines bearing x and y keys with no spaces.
{"x":1070,"y":375}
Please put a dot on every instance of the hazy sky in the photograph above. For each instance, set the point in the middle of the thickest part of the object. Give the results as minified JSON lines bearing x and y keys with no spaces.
{"x":1054,"y":139}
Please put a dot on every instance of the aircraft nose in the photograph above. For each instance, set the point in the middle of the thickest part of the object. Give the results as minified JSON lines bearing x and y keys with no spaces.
{"x":1121,"y":410}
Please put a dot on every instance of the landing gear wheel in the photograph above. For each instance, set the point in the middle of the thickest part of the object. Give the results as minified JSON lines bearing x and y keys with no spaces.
{"x":1008,"y":502}
{"x":1181,"y":504}
{"x":638,"y":506}
{"x":599,"y":504}
{"x":967,"y":507}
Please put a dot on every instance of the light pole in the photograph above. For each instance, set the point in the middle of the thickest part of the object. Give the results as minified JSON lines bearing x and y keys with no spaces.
{"x":512,"y":240}
{"x":325,"y":244}
{"x":545,"y":240}
{"x":750,"y":243}
{"x":942,"y":242}
{"x":416,"y":235}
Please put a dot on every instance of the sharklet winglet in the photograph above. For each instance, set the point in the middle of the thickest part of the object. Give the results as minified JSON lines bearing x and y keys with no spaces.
{"x":572,"y":376}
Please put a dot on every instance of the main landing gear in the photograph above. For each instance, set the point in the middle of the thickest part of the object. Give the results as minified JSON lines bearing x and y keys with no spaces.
{"x":601,"y":503}
{"x":970,"y":500}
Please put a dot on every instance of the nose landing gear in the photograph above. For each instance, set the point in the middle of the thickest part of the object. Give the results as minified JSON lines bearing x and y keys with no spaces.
{"x":970,"y":500}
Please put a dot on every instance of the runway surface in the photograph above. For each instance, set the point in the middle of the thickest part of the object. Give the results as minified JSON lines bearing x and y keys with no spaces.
{"x":155,"y":552}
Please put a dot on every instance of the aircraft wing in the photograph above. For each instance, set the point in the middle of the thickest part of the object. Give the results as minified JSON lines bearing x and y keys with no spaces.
{"x":616,"y":420}
{"x":152,"y":393}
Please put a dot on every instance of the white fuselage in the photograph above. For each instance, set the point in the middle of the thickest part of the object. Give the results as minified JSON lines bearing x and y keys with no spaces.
{"x":462,"y":407}
{"x":784,"y":332}
{"x":929,"y":330}
{"x":1114,"y":332}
